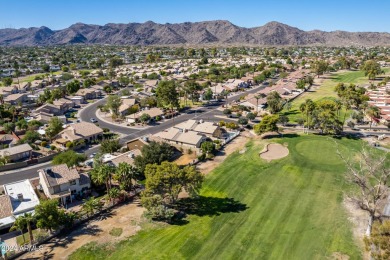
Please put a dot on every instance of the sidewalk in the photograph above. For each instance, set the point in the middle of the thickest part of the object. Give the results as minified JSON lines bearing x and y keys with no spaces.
{"x":100,"y":117}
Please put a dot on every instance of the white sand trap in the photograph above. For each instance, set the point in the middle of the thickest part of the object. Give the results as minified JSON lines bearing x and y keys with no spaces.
{"x":273,"y":152}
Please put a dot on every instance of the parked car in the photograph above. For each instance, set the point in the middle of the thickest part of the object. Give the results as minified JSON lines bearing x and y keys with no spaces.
{"x":93,"y":120}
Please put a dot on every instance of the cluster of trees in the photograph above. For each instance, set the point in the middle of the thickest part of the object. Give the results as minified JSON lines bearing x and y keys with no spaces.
{"x":163,"y":184}
{"x":47,"y":216}
{"x":323,"y":115}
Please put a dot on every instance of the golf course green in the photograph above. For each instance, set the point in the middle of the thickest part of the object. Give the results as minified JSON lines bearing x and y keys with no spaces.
{"x":249,"y":208}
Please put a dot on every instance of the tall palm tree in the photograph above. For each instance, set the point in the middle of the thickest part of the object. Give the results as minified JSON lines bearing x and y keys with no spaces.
{"x":307,"y":108}
{"x":29,"y":219}
{"x":257,"y":97}
{"x":125,"y":174}
{"x":19,"y":224}
{"x":373,"y":112}
{"x":103,"y":175}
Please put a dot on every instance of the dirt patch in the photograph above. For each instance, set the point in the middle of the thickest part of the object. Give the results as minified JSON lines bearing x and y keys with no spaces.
{"x":359,"y":220}
{"x":186,"y":159}
{"x":236,"y":144}
{"x":274,"y":152}
{"x":339,"y":256}
{"x":127,"y":218}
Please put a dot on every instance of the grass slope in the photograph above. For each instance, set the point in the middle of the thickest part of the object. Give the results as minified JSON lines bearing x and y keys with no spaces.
{"x":287,"y":209}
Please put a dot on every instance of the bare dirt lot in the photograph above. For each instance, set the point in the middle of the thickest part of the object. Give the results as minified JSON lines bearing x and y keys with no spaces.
{"x":126,"y":217}
{"x":359,"y":220}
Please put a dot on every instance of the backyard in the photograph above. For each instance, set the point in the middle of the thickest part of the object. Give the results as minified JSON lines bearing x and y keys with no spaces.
{"x":253,"y":209}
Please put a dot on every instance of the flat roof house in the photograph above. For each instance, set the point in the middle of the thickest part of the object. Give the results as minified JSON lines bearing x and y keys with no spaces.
{"x":19,"y":198}
{"x":61,"y":182}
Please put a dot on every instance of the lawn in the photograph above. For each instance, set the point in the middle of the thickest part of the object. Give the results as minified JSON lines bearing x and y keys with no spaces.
{"x":326,"y":90}
{"x":32,"y":77}
{"x":36,"y":233}
{"x":251,"y":209}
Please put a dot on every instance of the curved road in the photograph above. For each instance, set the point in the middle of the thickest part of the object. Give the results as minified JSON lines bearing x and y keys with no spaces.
{"x":128,"y":134}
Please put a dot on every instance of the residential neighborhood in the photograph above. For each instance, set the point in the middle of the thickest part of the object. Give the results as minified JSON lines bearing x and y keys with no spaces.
{"x":193,"y":140}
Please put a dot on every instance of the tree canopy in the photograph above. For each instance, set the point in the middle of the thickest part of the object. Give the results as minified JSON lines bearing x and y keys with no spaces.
{"x":274,"y":102}
{"x":267,"y":124}
{"x":70,"y":158}
{"x":371,"y":69}
{"x":153,"y":153}
{"x":167,"y":94}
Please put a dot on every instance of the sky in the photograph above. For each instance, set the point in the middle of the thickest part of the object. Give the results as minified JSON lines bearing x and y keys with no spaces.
{"x":330,"y":15}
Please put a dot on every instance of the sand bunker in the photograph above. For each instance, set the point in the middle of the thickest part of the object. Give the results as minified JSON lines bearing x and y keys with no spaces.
{"x":273,"y":152}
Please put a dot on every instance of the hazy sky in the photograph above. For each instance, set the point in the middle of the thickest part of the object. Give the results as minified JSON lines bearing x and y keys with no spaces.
{"x":350,"y":15}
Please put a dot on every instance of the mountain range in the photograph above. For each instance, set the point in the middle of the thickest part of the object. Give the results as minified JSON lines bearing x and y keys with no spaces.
{"x":219,"y":32}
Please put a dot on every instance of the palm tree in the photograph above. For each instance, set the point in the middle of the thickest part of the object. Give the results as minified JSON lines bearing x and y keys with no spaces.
{"x":125,"y":174}
{"x":22,"y":124}
{"x":102,"y":175}
{"x":372,"y":112}
{"x":29,"y":219}
{"x":307,"y":107}
{"x":257,"y":97}
{"x":19,"y":224}
{"x":113,"y":194}
{"x":90,"y":206}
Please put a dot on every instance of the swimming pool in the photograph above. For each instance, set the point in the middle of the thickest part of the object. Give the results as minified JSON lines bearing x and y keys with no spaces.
{"x":3,"y":247}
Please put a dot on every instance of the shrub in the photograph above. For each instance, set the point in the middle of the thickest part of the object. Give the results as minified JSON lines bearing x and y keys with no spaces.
{"x":202,"y":157}
{"x":69,"y":145}
{"x":116,"y":232}
{"x":52,"y":147}
{"x":227,"y":111}
{"x":231,"y":125}
{"x":44,"y":143}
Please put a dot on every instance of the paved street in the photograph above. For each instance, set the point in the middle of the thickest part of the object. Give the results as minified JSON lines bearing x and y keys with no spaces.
{"x":208,"y":113}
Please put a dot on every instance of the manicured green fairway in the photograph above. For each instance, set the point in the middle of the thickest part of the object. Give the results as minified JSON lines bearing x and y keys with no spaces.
{"x":326,"y":90}
{"x":287,"y":209}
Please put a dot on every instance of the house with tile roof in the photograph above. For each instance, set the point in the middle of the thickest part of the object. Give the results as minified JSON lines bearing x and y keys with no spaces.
{"x":80,"y":131}
{"x":17,"y":153}
{"x":63,"y":183}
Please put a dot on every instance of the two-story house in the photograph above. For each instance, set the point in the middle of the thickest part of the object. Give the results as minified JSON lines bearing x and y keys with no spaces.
{"x":61,"y":182}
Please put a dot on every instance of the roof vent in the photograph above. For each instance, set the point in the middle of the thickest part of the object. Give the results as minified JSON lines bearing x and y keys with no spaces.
{"x":20,"y":197}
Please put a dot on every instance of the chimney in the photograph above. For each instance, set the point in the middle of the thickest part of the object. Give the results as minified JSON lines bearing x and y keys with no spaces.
{"x":20,"y":197}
